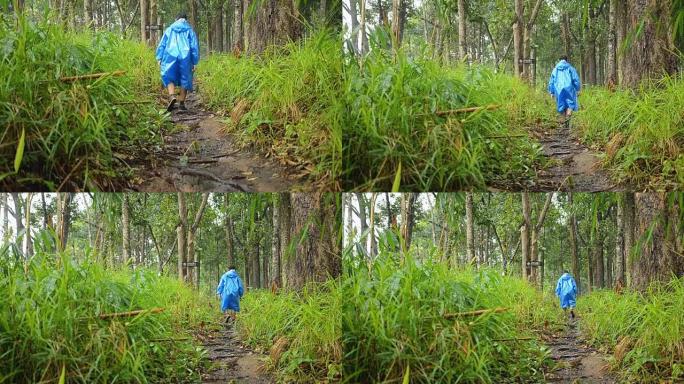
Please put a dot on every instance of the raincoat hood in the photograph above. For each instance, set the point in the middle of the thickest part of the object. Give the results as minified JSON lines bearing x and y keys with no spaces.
{"x":563,"y":65}
{"x":566,"y":276}
{"x":180,"y":25}
{"x":232,"y":274}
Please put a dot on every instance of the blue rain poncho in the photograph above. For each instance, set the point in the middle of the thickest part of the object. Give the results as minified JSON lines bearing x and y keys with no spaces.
{"x":230,"y":290}
{"x":178,"y":52}
{"x":566,"y":290}
{"x":564,"y":85}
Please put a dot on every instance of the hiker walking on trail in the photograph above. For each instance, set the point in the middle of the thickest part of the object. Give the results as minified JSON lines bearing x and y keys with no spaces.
{"x":177,"y":55}
{"x":230,"y":290}
{"x":564,"y":86}
{"x":566,"y":290}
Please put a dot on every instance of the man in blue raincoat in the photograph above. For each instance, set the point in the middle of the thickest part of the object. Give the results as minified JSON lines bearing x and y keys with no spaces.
{"x":230,"y":290}
{"x":564,"y":86}
{"x":177,"y":55}
{"x":566,"y":290}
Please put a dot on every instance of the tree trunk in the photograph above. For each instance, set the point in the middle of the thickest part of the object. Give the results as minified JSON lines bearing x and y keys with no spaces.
{"x":315,"y":228}
{"x":228,"y":226}
{"x":611,"y":77}
{"x":126,"y":229}
{"x":396,"y":20}
{"x":182,"y":233}
{"x":28,"y":242}
{"x":3,"y":216}
{"x":620,"y":242}
{"x":525,"y":234}
{"x":285,"y":218}
{"x":408,"y":200}
{"x":273,"y":23}
{"x":597,"y":248}
{"x":362,"y":27}
{"x":191,"y":254}
{"x":629,"y":232}
{"x":219,"y":27}
{"x":650,"y":54}
{"x":534,"y":239}
{"x":144,"y":21}
{"x":373,"y":248}
{"x":470,"y":245}
{"x":192,"y":4}
{"x":353,"y":13}
{"x":517,"y":42}
{"x":462,"y":33}
{"x":567,"y":38}
{"x":63,"y":219}
{"x":572,"y":228}
{"x":238,"y":27}
{"x":275,"y":245}
{"x":659,"y":258}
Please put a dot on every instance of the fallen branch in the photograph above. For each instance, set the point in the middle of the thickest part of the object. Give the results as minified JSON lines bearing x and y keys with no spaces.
{"x":91,"y":76}
{"x":475,"y":313}
{"x":505,"y":136}
{"x":467,"y":110}
{"x":105,"y":316}
{"x":171,"y":339}
{"x":514,"y":339}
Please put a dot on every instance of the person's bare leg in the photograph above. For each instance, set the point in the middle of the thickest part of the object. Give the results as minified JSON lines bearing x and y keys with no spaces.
{"x":183,"y":95}
{"x":172,"y":97}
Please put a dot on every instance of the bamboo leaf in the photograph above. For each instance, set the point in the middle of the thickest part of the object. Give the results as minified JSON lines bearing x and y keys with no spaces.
{"x":397,"y":179}
{"x":20,"y":151}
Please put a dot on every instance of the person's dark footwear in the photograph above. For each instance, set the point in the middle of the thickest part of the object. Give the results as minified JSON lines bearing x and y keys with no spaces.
{"x":572,"y":315}
{"x":171,"y":105}
{"x":182,"y":106}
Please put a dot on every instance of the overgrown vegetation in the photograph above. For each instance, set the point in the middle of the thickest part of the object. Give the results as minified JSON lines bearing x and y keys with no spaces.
{"x":301,"y":332}
{"x":403,"y":126}
{"x":641,"y":132}
{"x":643,"y":331}
{"x":415,"y":321}
{"x":286,"y":102}
{"x":65,"y":133}
{"x":49,"y":323}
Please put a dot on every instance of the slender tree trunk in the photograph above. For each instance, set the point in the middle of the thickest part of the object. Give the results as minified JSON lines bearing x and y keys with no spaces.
{"x":182,"y":233}
{"x":534,"y":239}
{"x":408,"y":200}
{"x":629,"y":232}
{"x":371,"y":213}
{"x":238,"y":27}
{"x":619,"y":243}
{"x":228,"y":226}
{"x":567,"y":38}
{"x":611,"y":77}
{"x":28,"y":242}
{"x":285,"y":222}
{"x":275,"y":245}
{"x":470,"y":245}
{"x":144,"y":21}
{"x":192,"y":230}
{"x":126,"y":229}
{"x":362,"y":27}
{"x":63,"y":219}
{"x":572,"y":228}
{"x":525,"y":234}
{"x":3,"y":216}
{"x":462,"y":33}
{"x":517,"y":42}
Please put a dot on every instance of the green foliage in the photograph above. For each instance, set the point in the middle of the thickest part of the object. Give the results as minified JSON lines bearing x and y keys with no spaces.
{"x":286,"y":101}
{"x":394,"y":323}
{"x":392,"y":122}
{"x":641,"y":132}
{"x":644,"y":331}
{"x":301,"y":330}
{"x":73,"y":130}
{"x":49,"y":325}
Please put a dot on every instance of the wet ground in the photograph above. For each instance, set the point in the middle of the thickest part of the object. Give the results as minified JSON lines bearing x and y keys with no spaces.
{"x":198,"y":155}
{"x":231,"y":361}
{"x":577,"y":363}
{"x":574,"y":167}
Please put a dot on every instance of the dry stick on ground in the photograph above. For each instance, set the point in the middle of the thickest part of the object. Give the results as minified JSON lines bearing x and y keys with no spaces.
{"x":515,"y":339}
{"x":475,"y":313}
{"x":91,"y":76}
{"x":130,"y":313}
{"x":466,"y":110}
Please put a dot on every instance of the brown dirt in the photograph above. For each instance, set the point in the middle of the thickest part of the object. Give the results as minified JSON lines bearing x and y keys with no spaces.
{"x":231,"y":361}
{"x":200,"y":156}
{"x":576,"y":362}
{"x":573,"y":166}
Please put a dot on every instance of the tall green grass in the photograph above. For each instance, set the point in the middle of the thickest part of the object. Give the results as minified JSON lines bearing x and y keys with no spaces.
{"x":300,"y":331}
{"x":287,"y":102}
{"x":49,"y":324}
{"x":645,"y":332}
{"x":642,"y":132}
{"x":393,"y":132}
{"x":395,"y":325}
{"x":73,"y":134}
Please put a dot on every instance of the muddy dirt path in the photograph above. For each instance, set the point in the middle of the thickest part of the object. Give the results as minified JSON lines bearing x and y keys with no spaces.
{"x":231,"y":361}
{"x":573,"y":166}
{"x":576,"y":362}
{"x":198,"y":155}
